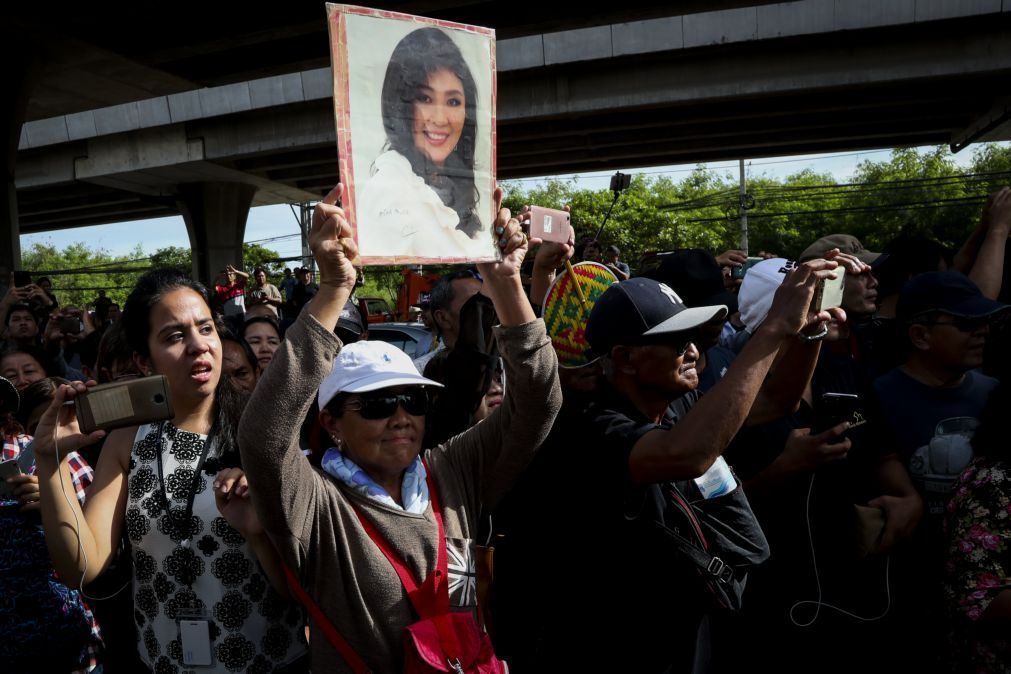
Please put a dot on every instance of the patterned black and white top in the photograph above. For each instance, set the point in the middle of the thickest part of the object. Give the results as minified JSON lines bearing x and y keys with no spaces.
{"x":251,"y":628}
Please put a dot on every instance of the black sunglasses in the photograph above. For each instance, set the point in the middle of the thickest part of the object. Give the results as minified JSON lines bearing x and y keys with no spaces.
{"x":680,"y":342}
{"x":384,"y":405}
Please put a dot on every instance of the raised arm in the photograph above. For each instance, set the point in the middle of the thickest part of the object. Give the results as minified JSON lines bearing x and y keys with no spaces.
{"x":689,"y":448}
{"x":793,"y":368}
{"x":987,"y":270}
{"x":549,"y":257}
{"x":502,"y":277}
{"x":277,"y":471}
{"x":81,"y":543}
{"x":499,"y":447}
{"x":243,"y":276}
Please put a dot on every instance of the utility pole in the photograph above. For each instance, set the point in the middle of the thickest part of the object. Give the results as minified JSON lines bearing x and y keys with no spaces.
{"x":744,"y":211}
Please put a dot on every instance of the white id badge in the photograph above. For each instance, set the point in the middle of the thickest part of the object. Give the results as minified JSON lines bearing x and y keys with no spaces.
{"x":195,"y":637}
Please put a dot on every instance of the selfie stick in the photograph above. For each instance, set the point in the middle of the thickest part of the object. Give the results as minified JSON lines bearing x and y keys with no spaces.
{"x":619,"y":183}
{"x":575,"y":282}
{"x":608,"y":215}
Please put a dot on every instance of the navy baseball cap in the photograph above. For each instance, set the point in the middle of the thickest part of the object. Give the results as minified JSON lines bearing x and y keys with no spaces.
{"x":696,"y":276}
{"x":638,"y":308}
{"x":948,"y":292}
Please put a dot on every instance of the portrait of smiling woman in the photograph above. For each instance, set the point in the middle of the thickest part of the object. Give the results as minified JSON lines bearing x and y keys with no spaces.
{"x":420,"y":182}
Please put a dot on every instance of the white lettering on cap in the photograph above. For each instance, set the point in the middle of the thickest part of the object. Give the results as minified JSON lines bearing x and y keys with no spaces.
{"x":669,"y":292}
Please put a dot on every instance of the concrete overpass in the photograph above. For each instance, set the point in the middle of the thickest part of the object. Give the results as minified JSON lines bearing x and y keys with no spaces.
{"x":640,"y":88}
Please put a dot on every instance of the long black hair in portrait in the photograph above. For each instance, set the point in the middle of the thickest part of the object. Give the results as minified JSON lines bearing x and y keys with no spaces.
{"x":417,"y":57}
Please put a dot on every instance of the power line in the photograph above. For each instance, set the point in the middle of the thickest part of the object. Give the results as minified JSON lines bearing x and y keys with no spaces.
{"x":705,"y":168}
{"x":939,"y":203}
{"x":275,"y":238}
{"x":802,"y":193}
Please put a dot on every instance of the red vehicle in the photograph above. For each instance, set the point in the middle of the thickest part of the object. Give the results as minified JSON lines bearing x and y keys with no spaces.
{"x":414,"y":285}
{"x":376,"y":309}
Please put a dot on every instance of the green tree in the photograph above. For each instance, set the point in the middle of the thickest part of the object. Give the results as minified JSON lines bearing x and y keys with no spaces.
{"x":254,"y":255}
{"x":173,"y":257}
{"x":77,"y":272}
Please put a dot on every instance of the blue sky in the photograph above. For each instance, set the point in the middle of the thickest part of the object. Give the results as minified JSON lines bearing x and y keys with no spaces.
{"x":278,"y":221}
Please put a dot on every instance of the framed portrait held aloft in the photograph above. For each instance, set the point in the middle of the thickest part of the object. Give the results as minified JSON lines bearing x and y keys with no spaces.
{"x":414,"y":105}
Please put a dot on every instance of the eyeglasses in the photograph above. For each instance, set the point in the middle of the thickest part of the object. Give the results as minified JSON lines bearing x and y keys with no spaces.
{"x":680,"y":343}
{"x":682,"y":349}
{"x":384,"y":405}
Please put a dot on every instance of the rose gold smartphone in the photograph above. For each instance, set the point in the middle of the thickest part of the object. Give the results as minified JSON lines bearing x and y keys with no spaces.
{"x":549,"y":224}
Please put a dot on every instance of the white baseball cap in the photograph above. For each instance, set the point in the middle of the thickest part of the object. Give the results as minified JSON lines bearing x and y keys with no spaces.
{"x":754,"y":298}
{"x":368,"y":366}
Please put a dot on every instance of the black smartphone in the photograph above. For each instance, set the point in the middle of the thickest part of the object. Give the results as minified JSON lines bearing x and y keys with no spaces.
{"x":739,"y":272}
{"x":128,"y":403}
{"x":71,"y":325}
{"x":22,"y":279}
{"x":835,"y":408}
{"x":8,"y":469}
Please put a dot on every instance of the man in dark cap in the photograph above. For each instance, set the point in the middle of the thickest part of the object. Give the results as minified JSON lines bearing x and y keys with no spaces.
{"x":696,"y":276}
{"x":946,"y":321}
{"x":303,"y":291}
{"x":626,"y":603}
{"x":930,"y":403}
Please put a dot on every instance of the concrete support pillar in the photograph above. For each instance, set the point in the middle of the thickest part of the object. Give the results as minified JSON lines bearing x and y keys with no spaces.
{"x":215,"y":215}
{"x":20,"y":66}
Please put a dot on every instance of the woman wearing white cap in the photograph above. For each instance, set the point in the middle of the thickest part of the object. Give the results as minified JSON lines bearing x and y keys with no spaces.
{"x":381,"y":508}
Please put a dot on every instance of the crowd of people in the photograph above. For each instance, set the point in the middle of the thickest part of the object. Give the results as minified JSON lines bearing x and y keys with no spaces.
{"x":747,"y":475}
{"x":319,"y":501}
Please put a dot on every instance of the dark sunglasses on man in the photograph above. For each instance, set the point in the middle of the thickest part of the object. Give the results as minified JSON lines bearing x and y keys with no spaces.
{"x":679,"y":341}
{"x":382,"y":405}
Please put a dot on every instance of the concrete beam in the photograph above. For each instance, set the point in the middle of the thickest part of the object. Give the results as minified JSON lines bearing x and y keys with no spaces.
{"x":20,"y":66}
{"x":994,"y":118}
{"x":599,"y":43}
{"x":772,"y":70}
{"x":215,"y":216}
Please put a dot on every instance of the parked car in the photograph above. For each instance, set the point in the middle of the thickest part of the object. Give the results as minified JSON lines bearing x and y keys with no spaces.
{"x":414,"y":339}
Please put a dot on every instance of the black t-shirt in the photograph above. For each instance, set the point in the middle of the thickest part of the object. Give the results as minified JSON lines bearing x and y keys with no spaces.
{"x":579,"y":582}
{"x":827,"y":505}
{"x":301,"y":294}
{"x":718,"y":361}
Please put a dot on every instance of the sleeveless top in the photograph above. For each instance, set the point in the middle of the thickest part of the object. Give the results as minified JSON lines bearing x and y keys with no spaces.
{"x":201,"y":563}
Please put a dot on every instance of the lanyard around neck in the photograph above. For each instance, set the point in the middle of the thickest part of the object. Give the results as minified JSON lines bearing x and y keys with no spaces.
{"x":182,"y":524}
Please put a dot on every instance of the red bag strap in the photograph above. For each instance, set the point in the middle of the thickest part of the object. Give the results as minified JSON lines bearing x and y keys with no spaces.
{"x":335,"y":638}
{"x":431,"y":599}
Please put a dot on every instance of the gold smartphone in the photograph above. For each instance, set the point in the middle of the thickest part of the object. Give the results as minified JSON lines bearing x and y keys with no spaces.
{"x":128,"y":403}
{"x":830,"y":291}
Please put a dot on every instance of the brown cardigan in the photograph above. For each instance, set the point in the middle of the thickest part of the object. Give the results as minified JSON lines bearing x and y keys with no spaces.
{"x":311,"y":520}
